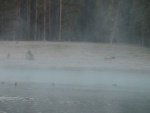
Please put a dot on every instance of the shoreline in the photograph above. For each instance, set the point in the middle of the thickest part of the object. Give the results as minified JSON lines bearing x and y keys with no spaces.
{"x":71,"y":68}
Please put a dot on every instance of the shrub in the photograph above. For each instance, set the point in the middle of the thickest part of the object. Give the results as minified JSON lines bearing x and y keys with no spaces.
{"x":29,"y":55}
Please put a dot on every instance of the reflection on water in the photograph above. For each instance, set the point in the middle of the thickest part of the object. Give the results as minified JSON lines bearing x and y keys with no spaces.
{"x":46,"y":98}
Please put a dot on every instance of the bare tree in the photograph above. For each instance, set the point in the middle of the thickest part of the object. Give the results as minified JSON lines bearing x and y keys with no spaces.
{"x":115,"y":25}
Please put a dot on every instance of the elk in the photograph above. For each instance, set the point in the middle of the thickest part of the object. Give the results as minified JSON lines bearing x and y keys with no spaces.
{"x":106,"y":58}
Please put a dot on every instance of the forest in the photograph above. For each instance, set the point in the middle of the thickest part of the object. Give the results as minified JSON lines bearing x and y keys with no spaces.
{"x":105,"y":21}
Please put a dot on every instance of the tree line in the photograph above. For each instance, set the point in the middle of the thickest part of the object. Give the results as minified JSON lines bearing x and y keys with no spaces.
{"x":76,"y":20}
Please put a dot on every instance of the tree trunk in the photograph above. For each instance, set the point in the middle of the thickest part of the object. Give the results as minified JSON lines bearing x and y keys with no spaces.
{"x":36,"y":18}
{"x":3,"y":20}
{"x":115,"y":25}
{"x":28,"y":18}
{"x":60,"y":23}
{"x":28,"y":11}
{"x":18,"y":20}
{"x":32,"y":19}
{"x":2,"y":23}
{"x":114,"y":31}
{"x":54,"y":24}
{"x":49,"y":18}
{"x":144,"y":26}
{"x":44,"y":34}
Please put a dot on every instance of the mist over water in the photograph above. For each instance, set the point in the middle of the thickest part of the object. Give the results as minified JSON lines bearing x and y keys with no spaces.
{"x":78,"y":77}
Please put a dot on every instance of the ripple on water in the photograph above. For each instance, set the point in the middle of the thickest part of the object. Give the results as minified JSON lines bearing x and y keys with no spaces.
{"x":3,"y":99}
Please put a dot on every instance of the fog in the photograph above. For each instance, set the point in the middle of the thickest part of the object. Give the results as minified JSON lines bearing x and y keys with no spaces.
{"x":70,"y":77}
{"x":93,"y":78}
